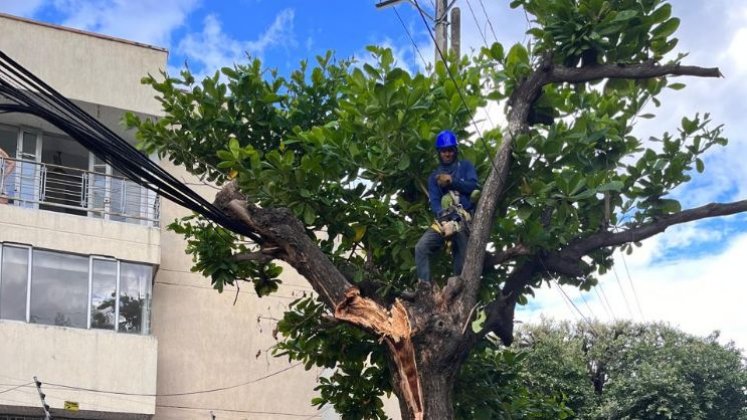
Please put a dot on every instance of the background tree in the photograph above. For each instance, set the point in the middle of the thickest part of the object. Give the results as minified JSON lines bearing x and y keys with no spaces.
{"x":628,"y":371}
{"x":324,"y":170}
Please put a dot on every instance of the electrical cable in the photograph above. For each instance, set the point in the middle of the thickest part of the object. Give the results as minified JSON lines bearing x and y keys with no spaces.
{"x":276,"y":413}
{"x":177,"y":394}
{"x":490,"y":24}
{"x":425,"y":63}
{"x":477,"y":24}
{"x":630,"y":280}
{"x":603,"y":300}
{"x":15,"y":387}
{"x":29,"y":94}
{"x":622,"y":291}
{"x":555,"y":279}
{"x":456,"y":86}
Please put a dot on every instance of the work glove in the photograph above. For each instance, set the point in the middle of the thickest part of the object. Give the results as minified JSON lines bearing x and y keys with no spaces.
{"x":443,"y":180}
{"x":448,"y":229}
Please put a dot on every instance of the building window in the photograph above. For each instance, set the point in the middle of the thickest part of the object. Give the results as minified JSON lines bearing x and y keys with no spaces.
{"x":59,"y":289}
{"x":14,"y":279}
{"x":103,"y":293}
{"x":55,"y":288}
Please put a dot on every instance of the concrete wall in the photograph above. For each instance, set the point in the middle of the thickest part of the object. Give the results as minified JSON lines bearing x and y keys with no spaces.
{"x":80,"y":235}
{"x":208,"y":342}
{"x":214,"y":350}
{"x":85,"y":66}
{"x":81,"y":358}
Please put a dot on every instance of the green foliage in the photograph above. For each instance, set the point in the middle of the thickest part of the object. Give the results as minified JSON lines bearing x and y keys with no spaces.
{"x":489,"y":388}
{"x":360,"y":377}
{"x":212,"y":249}
{"x":602,"y":31}
{"x":347,"y":148}
{"x":635,"y":371}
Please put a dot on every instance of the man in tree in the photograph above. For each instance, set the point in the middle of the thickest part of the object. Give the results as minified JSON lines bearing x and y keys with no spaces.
{"x":449,"y":189}
{"x":289,"y":154}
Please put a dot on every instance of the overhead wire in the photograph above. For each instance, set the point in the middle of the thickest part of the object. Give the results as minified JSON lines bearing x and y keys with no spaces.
{"x":632,"y":286}
{"x":456,"y":85}
{"x":177,"y":394}
{"x":622,"y":291}
{"x":477,"y":23}
{"x":603,"y":300}
{"x":276,"y":413}
{"x":414,"y":44}
{"x":569,"y":300}
{"x":487,"y":17}
{"x":15,"y":387}
{"x":29,"y":94}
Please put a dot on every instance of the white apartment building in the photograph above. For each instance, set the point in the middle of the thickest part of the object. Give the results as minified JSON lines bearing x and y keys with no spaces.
{"x":97,"y":300}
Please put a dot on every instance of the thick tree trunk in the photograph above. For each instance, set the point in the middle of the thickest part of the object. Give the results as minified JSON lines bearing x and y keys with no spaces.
{"x":438,"y":394}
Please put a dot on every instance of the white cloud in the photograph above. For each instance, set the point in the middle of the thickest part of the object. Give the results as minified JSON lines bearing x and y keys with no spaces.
{"x":737,"y":50}
{"x":697,"y":295}
{"x":25,"y":8}
{"x":147,"y":21}
{"x":213,"y":48}
{"x":402,"y":56}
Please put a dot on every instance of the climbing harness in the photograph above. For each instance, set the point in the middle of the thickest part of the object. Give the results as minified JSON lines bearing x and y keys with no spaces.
{"x":453,"y":218}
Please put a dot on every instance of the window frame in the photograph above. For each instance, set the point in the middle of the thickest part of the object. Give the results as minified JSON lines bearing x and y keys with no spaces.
{"x":91,"y":258}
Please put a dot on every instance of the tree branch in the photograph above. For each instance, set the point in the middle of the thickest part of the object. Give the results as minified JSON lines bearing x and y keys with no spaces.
{"x":263,"y":256}
{"x":509,"y":254}
{"x":290,"y":243}
{"x":496,"y":183}
{"x":583,"y":246}
{"x":560,"y":74}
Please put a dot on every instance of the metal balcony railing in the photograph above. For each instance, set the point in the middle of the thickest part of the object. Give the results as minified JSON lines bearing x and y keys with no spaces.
{"x":69,"y":190}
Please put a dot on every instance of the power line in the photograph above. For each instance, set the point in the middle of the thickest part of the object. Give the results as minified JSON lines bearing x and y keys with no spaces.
{"x":599,"y":290}
{"x":625,"y":298}
{"x":555,"y":279}
{"x":15,"y":387}
{"x":415,"y":45}
{"x":477,"y":23}
{"x":276,"y":413}
{"x":630,"y":279}
{"x":569,"y":300}
{"x":490,"y":24}
{"x":178,"y":394}
{"x":456,"y":85}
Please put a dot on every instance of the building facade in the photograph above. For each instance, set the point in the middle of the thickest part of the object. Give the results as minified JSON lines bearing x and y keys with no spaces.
{"x":97,"y":301}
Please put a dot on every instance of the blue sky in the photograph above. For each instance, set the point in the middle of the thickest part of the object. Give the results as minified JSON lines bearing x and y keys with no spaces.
{"x":694,"y":266}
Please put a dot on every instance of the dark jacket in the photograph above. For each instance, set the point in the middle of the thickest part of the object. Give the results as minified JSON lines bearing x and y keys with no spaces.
{"x":463,"y":180}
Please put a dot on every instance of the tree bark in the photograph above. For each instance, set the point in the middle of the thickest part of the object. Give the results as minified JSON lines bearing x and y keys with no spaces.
{"x":438,"y":393}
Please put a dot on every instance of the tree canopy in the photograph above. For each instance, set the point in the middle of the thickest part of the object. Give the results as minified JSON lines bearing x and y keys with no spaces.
{"x":628,"y":371}
{"x":325,"y":170}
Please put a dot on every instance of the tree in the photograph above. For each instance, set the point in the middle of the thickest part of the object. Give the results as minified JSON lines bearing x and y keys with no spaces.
{"x":627,"y":371}
{"x":324,"y":170}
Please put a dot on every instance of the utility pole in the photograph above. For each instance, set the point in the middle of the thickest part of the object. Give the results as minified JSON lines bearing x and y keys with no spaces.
{"x":441,"y":33}
{"x":42,"y":397}
{"x":456,"y":24}
{"x":442,"y":21}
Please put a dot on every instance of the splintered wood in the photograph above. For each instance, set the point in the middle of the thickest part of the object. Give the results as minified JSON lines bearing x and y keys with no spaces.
{"x":393,"y":326}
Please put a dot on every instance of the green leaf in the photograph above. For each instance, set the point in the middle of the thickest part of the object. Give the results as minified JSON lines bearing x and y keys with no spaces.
{"x":670,"y":206}
{"x":308,"y":215}
{"x":676,"y":86}
{"x":667,"y":28}
{"x":625,"y":15}
{"x":661,"y":14}
{"x":496,"y":51}
{"x":611,"y":186}
{"x":699,"y":165}
{"x":517,"y":55}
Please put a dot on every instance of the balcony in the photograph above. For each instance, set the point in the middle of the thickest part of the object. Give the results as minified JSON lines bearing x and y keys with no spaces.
{"x":97,"y":194}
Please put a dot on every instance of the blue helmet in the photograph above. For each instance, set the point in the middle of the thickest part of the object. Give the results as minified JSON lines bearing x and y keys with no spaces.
{"x":446,"y":139}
